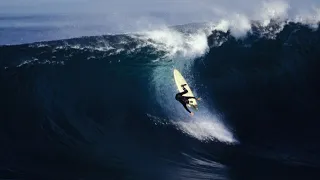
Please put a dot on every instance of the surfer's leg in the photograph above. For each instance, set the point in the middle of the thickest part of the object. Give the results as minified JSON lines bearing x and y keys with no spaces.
{"x":185,"y":106}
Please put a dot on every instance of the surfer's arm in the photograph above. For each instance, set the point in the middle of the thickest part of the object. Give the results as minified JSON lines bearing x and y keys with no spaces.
{"x":190,"y":97}
{"x":184,"y":92}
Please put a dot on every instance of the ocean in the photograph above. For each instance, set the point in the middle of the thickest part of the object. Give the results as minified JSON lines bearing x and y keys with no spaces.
{"x":103,"y":106}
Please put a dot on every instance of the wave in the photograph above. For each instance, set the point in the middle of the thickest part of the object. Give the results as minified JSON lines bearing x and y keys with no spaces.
{"x":109,"y":101}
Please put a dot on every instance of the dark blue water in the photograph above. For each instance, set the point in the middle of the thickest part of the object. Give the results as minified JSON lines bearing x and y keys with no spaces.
{"x":103,"y":107}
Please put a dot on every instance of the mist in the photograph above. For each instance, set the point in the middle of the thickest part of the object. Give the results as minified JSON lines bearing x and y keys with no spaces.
{"x":93,"y":17}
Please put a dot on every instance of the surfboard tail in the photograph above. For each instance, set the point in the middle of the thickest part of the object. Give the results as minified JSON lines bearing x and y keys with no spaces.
{"x":195,"y":107}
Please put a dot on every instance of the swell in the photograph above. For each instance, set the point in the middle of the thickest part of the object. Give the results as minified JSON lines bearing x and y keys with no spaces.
{"x":267,"y":91}
{"x":107,"y":103}
{"x":86,"y":102}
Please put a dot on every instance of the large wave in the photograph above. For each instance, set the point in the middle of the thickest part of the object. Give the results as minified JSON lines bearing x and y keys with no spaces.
{"x":108,"y":101}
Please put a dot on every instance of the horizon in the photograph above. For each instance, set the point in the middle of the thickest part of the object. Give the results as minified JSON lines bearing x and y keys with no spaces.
{"x":51,"y":19}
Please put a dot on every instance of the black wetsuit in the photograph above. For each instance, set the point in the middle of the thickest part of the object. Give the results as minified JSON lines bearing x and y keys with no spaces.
{"x":184,"y":100}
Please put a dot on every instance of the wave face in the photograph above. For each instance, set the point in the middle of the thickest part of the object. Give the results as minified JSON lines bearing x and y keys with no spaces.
{"x":103,"y":107}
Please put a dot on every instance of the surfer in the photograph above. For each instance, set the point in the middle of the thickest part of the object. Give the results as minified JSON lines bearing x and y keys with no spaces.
{"x":184,"y":100}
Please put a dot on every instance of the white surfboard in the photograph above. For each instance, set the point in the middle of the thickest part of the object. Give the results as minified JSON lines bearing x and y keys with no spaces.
{"x":179,"y":79}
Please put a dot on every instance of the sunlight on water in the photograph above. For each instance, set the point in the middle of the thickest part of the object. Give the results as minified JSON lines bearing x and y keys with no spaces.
{"x":206,"y":127}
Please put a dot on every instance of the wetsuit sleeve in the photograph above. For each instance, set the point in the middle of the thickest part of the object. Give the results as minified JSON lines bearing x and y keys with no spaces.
{"x":184,"y":92}
{"x":190,"y":97}
{"x":185,"y":106}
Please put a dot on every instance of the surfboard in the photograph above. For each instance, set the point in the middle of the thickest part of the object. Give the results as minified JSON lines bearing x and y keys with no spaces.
{"x":180,"y":80}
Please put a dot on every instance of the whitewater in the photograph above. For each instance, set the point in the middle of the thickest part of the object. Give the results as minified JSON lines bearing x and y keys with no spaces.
{"x":88,"y":91}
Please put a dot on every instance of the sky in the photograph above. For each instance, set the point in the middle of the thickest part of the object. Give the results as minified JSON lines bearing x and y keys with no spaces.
{"x":112,"y":16}
{"x":168,"y":11}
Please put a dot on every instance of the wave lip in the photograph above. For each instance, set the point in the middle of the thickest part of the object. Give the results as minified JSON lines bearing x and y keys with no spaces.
{"x":176,"y":43}
{"x":239,"y":21}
